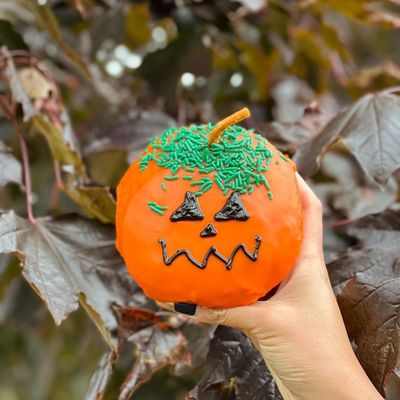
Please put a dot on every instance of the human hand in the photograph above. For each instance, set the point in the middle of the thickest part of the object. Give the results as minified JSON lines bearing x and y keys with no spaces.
{"x":299,"y":330}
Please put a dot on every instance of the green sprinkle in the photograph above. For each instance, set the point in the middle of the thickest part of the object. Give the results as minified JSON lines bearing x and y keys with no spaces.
{"x":270,"y":196}
{"x":154,"y":206}
{"x":164,"y":187}
{"x":237,"y":162}
{"x":155,"y":209}
{"x":194,"y":183}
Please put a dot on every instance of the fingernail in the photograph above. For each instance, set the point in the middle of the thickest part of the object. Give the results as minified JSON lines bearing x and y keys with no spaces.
{"x":166,"y":306}
{"x":185,"y":308}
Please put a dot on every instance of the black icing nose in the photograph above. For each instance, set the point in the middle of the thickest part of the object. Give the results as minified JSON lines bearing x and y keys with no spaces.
{"x":208,"y":231}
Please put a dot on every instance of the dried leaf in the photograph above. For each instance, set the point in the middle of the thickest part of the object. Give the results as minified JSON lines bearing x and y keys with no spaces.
{"x":100,"y":377}
{"x":17,"y":91}
{"x":385,"y":19}
{"x":68,"y":257}
{"x":370,"y":129}
{"x":234,"y":369}
{"x":157,"y":344}
{"x":10,"y":167}
{"x":35,"y":85}
{"x":29,"y":84}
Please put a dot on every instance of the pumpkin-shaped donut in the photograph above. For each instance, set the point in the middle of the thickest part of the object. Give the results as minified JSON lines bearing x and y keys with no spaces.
{"x":210,"y":216}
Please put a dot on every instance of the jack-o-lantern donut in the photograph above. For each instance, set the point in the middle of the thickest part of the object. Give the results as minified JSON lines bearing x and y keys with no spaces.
{"x":209,"y":215}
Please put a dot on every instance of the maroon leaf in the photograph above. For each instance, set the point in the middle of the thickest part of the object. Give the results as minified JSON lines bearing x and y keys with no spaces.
{"x":289,"y":136}
{"x":370,"y":129}
{"x":377,"y":254}
{"x":70,"y":260}
{"x":198,"y":338}
{"x":234,"y":369}
{"x":368,"y":281}
{"x":131,"y":133}
{"x":371,"y":311}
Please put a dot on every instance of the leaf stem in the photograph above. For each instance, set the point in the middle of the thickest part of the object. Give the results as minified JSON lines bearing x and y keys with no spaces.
{"x":27,"y":172}
{"x":58,"y":185}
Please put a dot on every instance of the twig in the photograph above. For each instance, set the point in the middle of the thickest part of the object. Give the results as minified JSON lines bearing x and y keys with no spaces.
{"x":27,"y":172}
{"x":58,"y":185}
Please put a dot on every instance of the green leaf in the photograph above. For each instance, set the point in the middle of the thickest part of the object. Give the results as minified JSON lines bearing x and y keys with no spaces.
{"x":10,"y":38}
{"x":333,"y":40}
{"x":137,"y":24}
{"x":96,"y":201}
{"x":350,"y":8}
{"x":69,"y":257}
{"x":61,"y":149}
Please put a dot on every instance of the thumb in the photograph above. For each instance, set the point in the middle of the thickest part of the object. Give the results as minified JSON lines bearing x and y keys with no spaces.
{"x":237,"y":317}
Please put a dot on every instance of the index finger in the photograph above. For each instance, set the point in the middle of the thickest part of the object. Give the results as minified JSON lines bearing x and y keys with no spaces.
{"x":312,"y":219}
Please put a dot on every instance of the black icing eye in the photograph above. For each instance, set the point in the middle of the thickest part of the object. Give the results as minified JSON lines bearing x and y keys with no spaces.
{"x":189,"y":210}
{"x":233,"y":209}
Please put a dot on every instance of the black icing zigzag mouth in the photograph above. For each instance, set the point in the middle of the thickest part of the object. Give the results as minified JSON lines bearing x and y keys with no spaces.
{"x":211,"y":251}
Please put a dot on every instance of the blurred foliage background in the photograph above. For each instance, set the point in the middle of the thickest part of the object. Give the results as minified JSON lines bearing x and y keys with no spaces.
{"x":117,"y":72}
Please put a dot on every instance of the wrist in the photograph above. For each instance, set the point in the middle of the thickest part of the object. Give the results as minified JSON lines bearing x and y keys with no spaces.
{"x":332,"y":380}
{"x":348,"y":383}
